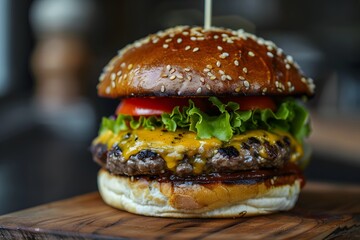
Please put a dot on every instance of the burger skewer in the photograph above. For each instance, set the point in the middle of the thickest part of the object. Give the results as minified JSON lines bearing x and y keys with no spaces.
{"x":207,"y":15}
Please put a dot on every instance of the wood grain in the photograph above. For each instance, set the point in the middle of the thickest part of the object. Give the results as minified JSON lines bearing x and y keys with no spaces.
{"x":323,"y":212}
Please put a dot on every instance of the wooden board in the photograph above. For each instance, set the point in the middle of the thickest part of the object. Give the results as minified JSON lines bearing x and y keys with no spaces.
{"x":323,"y":211}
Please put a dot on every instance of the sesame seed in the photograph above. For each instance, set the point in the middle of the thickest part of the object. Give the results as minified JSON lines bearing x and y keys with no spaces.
{"x":198,"y":90}
{"x":246,"y":84}
{"x":228,"y":77}
{"x":253,"y":37}
{"x":109,"y":68}
{"x":281,"y":86}
{"x":241,"y":78}
{"x":164,"y":76}
{"x":251,"y":54}
{"x":221,"y":72}
{"x":219,"y":48}
{"x":216,"y":36}
{"x":187,"y":69}
{"x":245,"y":70}
{"x":236,"y":62}
{"x":179,"y":40}
{"x":196,"y":49}
{"x":224,"y":35}
{"x":240,"y":32}
{"x":187,"y":48}
{"x":208,"y":86}
{"x":209,"y":66}
{"x":270,"y":54}
{"x":279,"y":51}
{"x":185,"y":33}
{"x":119,"y":73}
{"x":206,"y":70}
{"x":113,"y":84}
{"x":165,"y":45}
{"x":112,"y":76}
{"x":210,"y":74}
{"x":180,"y":76}
{"x":287,"y":66}
{"x":125,"y":76}
{"x":202,"y":79}
{"x":130,"y":66}
{"x":172,"y":77}
{"x":102,"y":77}
{"x":107,"y":90}
{"x":193,"y":38}
{"x":137,"y":44}
{"x":290,"y":59}
{"x":212,"y":77}
{"x":172,"y":70}
{"x":223,"y":77}
{"x":168,"y":67}
{"x":269,"y":47}
{"x":289,"y":84}
{"x":218,"y":63}
{"x":260,"y":41}
{"x":224,"y":55}
{"x":200,"y":38}
{"x":264,"y":90}
{"x":189,"y":77}
{"x":229,"y":40}
{"x":168,"y":40}
{"x":155,"y":40}
{"x":303,"y":80}
{"x":237,"y":89}
{"x":162,"y":88}
{"x":123,"y":65}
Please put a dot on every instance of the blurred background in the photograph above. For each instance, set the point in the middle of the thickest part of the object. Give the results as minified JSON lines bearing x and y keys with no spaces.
{"x":52,"y":52}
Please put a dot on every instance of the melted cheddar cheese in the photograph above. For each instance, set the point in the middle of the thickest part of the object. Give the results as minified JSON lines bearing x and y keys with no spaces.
{"x":174,"y":146}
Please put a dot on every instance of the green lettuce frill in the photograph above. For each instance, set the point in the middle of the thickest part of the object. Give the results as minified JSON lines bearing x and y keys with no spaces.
{"x":290,"y":116}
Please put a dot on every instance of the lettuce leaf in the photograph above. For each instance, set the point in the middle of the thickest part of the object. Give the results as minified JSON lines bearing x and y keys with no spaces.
{"x":290,"y":116}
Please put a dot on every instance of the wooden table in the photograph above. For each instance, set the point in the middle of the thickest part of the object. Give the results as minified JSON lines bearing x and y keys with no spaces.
{"x":323,"y":211}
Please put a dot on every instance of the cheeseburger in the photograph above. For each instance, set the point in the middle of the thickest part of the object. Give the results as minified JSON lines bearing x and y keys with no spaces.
{"x":208,"y":126}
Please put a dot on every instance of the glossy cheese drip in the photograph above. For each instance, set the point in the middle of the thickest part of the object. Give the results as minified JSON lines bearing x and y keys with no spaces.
{"x":174,"y":146}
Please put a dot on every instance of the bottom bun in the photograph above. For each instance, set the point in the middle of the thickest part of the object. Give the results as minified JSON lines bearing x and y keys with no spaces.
{"x":193,"y":200}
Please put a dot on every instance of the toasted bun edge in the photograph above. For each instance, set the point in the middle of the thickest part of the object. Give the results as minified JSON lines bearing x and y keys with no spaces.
{"x":165,"y":199}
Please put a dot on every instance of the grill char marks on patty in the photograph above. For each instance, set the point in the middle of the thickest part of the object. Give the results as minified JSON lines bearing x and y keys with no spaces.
{"x":253,"y":155}
{"x":145,"y":162}
{"x":250,"y":157}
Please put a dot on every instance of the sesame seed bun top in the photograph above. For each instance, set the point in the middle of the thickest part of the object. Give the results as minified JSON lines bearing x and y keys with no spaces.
{"x":191,"y":61}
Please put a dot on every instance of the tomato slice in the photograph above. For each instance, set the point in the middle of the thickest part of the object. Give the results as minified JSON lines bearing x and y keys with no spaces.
{"x":252,"y":102}
{"x":157,"y":106}
{"x":149,"y":106}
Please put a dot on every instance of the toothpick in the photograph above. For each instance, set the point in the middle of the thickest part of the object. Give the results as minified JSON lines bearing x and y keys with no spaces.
{"x":207,"y":15}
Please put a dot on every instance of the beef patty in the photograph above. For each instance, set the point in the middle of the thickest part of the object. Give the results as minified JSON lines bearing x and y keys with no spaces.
{"x":252,"y":155}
